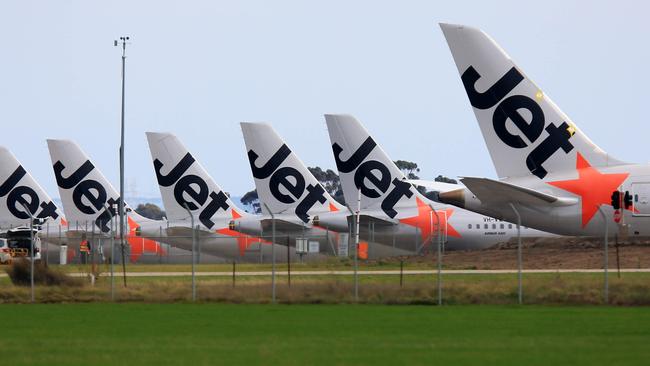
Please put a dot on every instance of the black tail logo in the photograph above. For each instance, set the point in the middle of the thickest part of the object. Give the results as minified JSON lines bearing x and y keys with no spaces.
{"x":19,"y":197}
{"x":290,"y":179}
{"x":509,"y":109}
{"x":193,"y":187}
{"x":374,"y":172}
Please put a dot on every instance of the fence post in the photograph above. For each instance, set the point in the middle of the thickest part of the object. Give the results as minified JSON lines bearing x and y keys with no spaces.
{"x":272,"y":253}
{"x":519,"y":260}
{"x":606,"y":256}
{"x":31,"y":240}
{"x":439,"y":251}
{"x":189,"y":212}
{"x":357,"y":220}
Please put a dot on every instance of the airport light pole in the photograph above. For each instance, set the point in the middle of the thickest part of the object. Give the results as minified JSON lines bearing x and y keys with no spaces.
{"x":272,"y":252}
{"x":123,"y":41}
{"x":606,"y":256}
{"x":31,"y":240}
{"x":519,"y":264}
{"x":189,"y":212}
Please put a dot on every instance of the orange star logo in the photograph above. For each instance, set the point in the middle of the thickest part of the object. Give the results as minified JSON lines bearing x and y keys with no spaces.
{"x":427,"y":223}
{"x":140,"y":245}
{"x":594,"y":187}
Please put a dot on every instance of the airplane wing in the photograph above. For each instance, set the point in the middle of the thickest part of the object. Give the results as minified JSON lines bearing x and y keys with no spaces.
{"x":492,"y":191}
{"x":435,"y":186}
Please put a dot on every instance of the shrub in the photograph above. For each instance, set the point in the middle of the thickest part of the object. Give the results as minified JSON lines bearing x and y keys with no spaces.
{"x":19,"y":273}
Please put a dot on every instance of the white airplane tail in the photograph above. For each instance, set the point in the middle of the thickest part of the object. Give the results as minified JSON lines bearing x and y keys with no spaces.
{"x":364,"y":167}
{"x":18,"y":188}
{"x":184,"y":182}
{"x":86,"y":194}
{"x":282,"y":181}
{"x":525,"y":132}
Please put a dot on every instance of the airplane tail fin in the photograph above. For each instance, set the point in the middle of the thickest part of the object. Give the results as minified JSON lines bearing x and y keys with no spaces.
{"x":365,"y":168}
{"x":184,"y":182}
{"x":18,"y":187}
{"x":86,"y":194}
{"x":282,"y":181}
{"x":525,"y":132}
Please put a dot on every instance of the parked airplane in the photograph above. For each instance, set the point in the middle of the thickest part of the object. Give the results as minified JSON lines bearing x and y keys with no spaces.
{"x":225,"y":229}
{"x":19,"y":190}
{"x":549,"y":171}
{"x":394,"y":207}
{"x":300,"y":203}
{"x":90,"y":203}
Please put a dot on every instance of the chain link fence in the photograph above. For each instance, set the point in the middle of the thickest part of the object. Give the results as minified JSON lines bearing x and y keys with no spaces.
{"x":314,"y":266}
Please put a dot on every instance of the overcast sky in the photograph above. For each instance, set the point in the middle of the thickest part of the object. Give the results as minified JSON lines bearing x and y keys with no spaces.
{"x":198,"y":68}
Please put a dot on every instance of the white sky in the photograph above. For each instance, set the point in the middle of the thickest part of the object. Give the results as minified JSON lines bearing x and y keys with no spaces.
{"x":198,"y":68}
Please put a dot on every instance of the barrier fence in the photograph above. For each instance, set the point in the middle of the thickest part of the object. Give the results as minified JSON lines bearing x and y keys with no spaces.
{"x":315,"y":266}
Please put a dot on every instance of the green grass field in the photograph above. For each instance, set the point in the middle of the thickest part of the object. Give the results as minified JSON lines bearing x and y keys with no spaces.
{"x":198,"y":334}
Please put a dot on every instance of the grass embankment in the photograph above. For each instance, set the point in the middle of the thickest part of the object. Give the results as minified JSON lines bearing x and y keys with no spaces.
{"x":564,"y":288}
{"x":83,"y":334}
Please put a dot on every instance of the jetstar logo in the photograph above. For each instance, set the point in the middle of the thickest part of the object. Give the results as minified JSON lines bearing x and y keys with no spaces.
{"x":88,"y":195}
{"x":20,"y":196}
{"x":374,"y":173}
{"x":289,"y":179}
{"x":192,"y":190}
{"x":593,"y":187}
{"x":530,"y":123}
{"x":427,"y":221}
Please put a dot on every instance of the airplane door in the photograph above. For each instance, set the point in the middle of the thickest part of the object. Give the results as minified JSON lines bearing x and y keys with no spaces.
{"x":641,"y":198}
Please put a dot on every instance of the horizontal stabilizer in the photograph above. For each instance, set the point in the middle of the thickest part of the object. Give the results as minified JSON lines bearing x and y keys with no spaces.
{"x":365,"y":220}
{"x":282,"y":225}
{"x":492,"y":191}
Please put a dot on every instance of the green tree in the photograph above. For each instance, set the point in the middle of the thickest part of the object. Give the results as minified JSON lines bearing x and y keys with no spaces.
{"x":252,"y":199}
{"x":150,"y":210}
{"x":330,"y":181}
{"x":444,"y":179}
{"x":409,"y":168}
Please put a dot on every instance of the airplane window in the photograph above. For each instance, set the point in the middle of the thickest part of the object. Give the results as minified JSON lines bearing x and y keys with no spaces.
{"x":469,"y":226}
{"x":503,"y":226}
{"x":494,"y":226}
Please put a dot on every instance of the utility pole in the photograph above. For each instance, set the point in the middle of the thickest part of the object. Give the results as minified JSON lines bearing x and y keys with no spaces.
{"x":123,"y":42}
